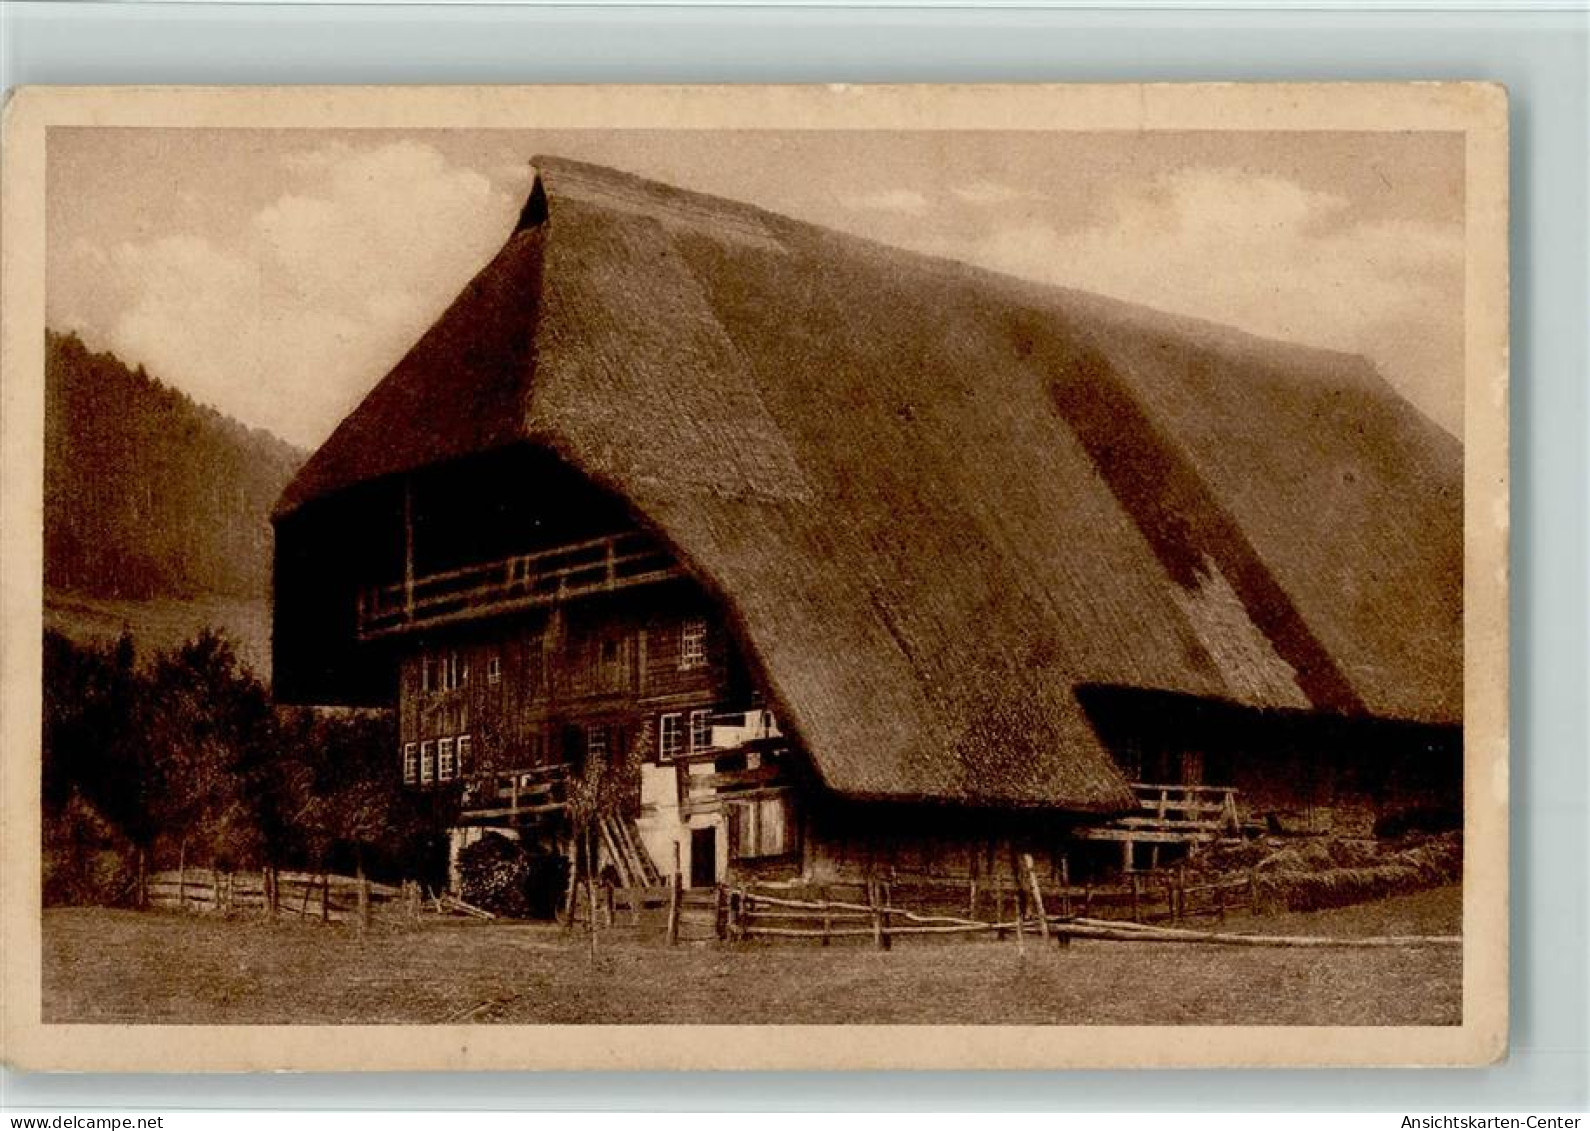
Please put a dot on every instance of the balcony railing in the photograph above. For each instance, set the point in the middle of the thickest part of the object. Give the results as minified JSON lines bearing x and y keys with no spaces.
{"x":514,"y":795}
{"x":547,"y":577}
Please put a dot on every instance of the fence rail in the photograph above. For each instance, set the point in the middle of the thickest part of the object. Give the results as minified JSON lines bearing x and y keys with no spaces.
{"x":306,"y":895}
{"x":745,"y":914}
{"x":1012,"y":903}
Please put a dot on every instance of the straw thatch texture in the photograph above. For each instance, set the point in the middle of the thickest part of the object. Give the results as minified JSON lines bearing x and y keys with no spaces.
{"x":936,"y":500}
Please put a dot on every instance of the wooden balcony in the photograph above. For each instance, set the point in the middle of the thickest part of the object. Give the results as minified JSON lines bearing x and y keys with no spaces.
{"x":516,"y":796}
{"x":600,"y":565}
{"x":1184,"y":815}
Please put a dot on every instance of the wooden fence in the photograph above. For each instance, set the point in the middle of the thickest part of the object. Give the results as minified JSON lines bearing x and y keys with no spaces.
{"x":305,"y":895}
{"x":744,"y":914}
{"x":1132,"y":911}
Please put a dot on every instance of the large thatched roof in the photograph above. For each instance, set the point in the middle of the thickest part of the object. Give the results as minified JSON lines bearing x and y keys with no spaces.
{"x":936,"y":500}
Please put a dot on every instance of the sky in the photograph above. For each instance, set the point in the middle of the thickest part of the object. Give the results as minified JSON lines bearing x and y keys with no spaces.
{"x":279,"y":274}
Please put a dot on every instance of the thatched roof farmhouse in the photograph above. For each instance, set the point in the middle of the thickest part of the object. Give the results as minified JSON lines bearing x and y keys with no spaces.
{"x":936,"y":504}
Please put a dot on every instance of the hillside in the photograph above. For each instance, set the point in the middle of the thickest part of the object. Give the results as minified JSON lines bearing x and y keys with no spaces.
{"x":148,"y":494}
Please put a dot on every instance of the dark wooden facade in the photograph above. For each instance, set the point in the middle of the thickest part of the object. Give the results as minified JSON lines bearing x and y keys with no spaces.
{"x":547,"y":687}
{"x":566,"y":634}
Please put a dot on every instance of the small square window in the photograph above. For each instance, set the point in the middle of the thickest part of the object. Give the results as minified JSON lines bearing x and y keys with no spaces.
{"x":411,"y":763}
{"x":693,"y":644}
{"x":444,"y":760}
{"x":427,"y":763}
{"x":493,"y":670}
{"x":595,"y":743}
{"x":670,"y":736}
{"x":700,"y":731}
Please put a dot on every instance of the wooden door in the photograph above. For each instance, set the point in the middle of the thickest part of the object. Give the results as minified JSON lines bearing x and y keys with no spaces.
{"x":703,"y":858}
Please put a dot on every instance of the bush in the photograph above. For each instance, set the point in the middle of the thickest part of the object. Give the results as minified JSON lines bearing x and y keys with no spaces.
{"x":86,"y":860}
{"x":506,"y":878}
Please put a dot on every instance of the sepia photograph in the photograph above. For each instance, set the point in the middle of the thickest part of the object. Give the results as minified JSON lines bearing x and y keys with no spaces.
{"x":1028,"y":561}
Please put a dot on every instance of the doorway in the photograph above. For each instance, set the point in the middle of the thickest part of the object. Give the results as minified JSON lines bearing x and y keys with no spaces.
{"x":703,"y":857}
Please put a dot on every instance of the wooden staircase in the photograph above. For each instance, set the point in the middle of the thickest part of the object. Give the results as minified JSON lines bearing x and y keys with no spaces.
{"x":623,"y":849}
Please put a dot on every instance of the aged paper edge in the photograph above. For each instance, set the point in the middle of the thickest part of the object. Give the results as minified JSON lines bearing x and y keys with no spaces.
{"x":1477,"y":110}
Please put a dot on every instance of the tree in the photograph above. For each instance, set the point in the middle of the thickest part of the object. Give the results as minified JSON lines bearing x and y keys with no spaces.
{"x":96,"y":758}
{"x":606,"y":788}
{"x":214,"y":736}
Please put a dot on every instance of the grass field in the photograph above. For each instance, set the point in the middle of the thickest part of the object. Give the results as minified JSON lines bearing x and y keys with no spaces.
{"x":126,"y":966}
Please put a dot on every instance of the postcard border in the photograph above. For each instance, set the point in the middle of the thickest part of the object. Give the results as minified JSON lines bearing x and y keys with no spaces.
{"x":1477,"y":110}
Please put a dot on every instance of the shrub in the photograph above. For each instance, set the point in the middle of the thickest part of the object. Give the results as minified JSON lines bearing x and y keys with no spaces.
{"x":86,"y":860}
{"x":506,"y":878}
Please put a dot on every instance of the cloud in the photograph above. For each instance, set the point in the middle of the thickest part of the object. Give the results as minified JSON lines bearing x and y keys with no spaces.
{"x":904,"y":201}
{"x":285,"y":320}
{"x":990,"y":193}
{"x":1270,"y":256}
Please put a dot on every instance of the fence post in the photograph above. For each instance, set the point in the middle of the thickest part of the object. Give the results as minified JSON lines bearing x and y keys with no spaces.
{"x":1037,"y":895}
{"x":1137,"y":914}
{"x":673,"y":910}
{"x":720,"y":910}
{"x":886,"y":890}
{"x":1253,"y":890}
{"x":877,"y":916}
{"x":1065,"y":885}
{"x":182,"y":876}
{"x":1021,"y":935}
{"x":363,"y":902}
{"x":828,"y":913}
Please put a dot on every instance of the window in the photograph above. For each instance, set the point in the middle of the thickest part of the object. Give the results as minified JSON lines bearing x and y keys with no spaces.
{"x":466,"y":755}
{"x":411,"y":763}
{"x":693,"y":644}
{"x":493,"y":670}
{"x":670,"y":736}
{"x":760,"y":828}
{"x":444,"y":759}
{"x":595,"y":743}
{"x":445,"y":672}
{"x":427,"y":762}
{"x":700,"y":731}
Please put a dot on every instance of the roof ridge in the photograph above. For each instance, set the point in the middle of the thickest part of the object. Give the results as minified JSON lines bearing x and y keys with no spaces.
{"x":769,"y":225}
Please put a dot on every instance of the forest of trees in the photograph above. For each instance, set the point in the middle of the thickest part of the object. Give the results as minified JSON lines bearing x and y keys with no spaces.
{"x":147,"y":493}
{"x":184,"y":758}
